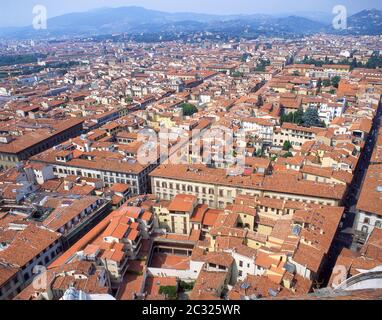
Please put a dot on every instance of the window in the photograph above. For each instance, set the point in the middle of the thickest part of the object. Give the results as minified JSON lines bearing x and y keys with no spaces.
{"x":240,"y":263}
{"x":366,"y":220}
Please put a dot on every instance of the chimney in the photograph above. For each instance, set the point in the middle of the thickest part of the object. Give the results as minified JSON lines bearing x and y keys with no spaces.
{"x":68,"y":185}
{"x":87,"y":145}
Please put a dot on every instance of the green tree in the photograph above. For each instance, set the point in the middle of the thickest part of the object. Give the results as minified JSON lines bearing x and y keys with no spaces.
{"x":288,"y":154}
{"x":244,"y":57}
{"x":187,"y":286}
{"x":237,"y":74}
{"x":287,"y":145}
{"x":311,"y":118}
{"x":169,"y":291}
{"x":188,"y":109}
{"x":335,"y":81}
{"x":375,"y":61}
{"x":262,"y":64}
{"x":319,"y":84}
{"x":326,"y":83}
{"x":298,"y":115}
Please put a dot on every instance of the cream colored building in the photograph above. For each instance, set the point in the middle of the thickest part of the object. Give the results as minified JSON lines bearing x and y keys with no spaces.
{"x":295,"y":134}
{"x":217,"y":190}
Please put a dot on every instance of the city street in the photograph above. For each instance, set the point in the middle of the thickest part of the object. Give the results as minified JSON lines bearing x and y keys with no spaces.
{"x":345,"y":237}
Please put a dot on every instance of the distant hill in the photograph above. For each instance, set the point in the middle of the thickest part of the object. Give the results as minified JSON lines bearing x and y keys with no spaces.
{"x":366,"y":22}
{"x":136,"y":20}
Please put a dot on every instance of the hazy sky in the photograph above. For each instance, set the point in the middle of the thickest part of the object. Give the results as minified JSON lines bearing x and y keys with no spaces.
{"x":19,"y":12}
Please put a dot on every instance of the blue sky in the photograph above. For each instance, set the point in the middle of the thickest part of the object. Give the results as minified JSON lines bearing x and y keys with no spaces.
{"x":19,"y":12}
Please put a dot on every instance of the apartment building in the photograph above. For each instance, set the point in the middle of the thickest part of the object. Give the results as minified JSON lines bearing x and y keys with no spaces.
{"x":263,"y":128}
{"x":73,"y":216}
{"x":110,"y":167}
{"x":368,"y":209}
{"x":62,"y":282}
{"x":16,"y":148}
{"x":177,"y":217}
{"x":23,"y":247}
{"x":296,"y":135}
{"x":217,"y":189}
{"x":111,"y":244}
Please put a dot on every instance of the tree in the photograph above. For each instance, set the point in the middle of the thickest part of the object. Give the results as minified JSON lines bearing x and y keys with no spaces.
{"x":311,"y":118}
{"x":375,"y":61}
{"x":288,"y":155}
{"x":262,"y":64}
{"x":189,"y":109}
{"x":187,"y":286}
{"x":169,"y":291}
{"x":293,"y":117}
{"x":354,"y":64}
{"x":319,"y":84}
{"x":244,"y":57}
{"x":287,"y":145}
{"x":326,"y":83}
{"x":298,"y":115}
{"x":336,"y":81}
{"x":237,"y":74}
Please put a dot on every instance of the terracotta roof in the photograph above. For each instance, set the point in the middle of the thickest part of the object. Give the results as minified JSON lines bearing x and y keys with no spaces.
{"x":183,"y":203}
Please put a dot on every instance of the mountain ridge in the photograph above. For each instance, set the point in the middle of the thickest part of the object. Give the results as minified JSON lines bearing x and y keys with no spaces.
{"x":135,"y":19}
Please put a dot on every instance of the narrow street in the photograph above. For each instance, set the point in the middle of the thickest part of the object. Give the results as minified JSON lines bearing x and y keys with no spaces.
{"x":347,"y":228}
